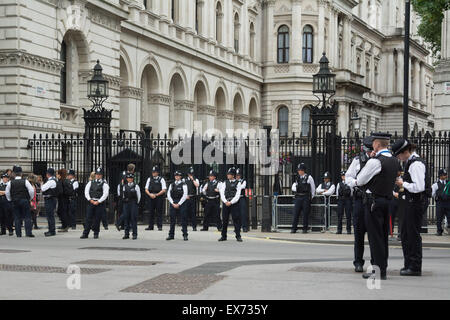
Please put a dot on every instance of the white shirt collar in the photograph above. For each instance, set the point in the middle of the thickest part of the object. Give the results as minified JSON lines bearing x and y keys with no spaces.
{"x":413,"y":155}
{"x":383,"y":150}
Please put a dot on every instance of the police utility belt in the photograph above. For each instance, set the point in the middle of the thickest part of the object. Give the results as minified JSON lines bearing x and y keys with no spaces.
{"x":212,"y":198}
{"x":297,"y":195}
{"x":416,"y":197}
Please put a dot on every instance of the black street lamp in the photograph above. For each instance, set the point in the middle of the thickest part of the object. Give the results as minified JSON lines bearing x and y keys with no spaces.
{"x":98,"y":88}
{"x":355,"y":119}
{"x":324,"y":82}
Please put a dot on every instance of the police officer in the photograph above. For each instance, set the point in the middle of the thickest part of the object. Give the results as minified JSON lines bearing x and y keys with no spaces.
{"x":442,"y":200}
{"x":19,"y":191}
{"x":6,"y":215}
{"x":242,"y":200}
{"x":417,"y":189}
{"x":96,"y":192}
{"x":177,"y":195}
{"x":230,"y":192}
{"x":212,"y":194}
{"x":63,"y":199}
{"x":304,"y":190}
{"x":378,"y":176}
{"x":192,"y":184}
{"x":120,"y":222}
{"x":359,"y":223}
{"x":72,"y":192}
{"x":344,"y":194}
{"x":155,"y":188}
{"x":326,"y":189}
{"x":131,"y":196}
{"x":50,"y":192}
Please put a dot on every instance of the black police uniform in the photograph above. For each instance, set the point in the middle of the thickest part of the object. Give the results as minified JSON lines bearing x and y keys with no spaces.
{"x":20,"y":199}
{"x":442,"y":205}
{"x":344,"y":203}
{"x":396,"y":208}
{"x":94,"y":213}
{"x":212,"y":206}
{"x":302,"y":202}
{"x":233,"y":210}
{"x":416,"y":205}
{"x":377,"y":210}
{"x":176,"y":193}
{"x":191,"y":203}
{"x":50,"y":200}
{"x":72,"y":195}
{"x":63,"y":203}
{"x":6,"y":215}
{"x":155,"y":206}
{"x":130,"y":208}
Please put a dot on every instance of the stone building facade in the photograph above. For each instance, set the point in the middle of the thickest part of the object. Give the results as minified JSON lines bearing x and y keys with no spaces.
{"x":202,"y":64}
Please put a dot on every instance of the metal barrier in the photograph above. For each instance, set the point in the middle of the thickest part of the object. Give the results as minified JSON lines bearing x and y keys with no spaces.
{"x":283,"y":212}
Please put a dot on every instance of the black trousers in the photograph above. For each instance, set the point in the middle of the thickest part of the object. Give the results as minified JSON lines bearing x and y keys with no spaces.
{"x":72,"y":212}
{"x":359,"y":226}
{"x":93,"y":216}
{"x":410,"y":235}
{"x":212,"y":208}
{"x":63,"y":211}
{"x":6,"y":216}
{"x":232,"y":210}
{"x":442,"y":210}
{"x":191,"y":211}
{"x":155,"y":207}
{"x":130,"y":213}
{"x":302,"y":205}
{"x":377,"y":222}
{"x":345,"y":204}
{"x":244,"y":212}
{"x":21,"y":209}
{"x":173,"y":213}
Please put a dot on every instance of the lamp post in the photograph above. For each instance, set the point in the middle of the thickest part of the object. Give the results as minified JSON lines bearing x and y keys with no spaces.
{"x":324,"y":115}
{"x":98,"y":88}
{"x":355,"y":118}
{"x":406,"y":71}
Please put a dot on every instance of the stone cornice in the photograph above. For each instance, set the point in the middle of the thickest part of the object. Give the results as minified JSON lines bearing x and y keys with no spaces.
{"x":184,"y":105}
{"x":131,"y":92}
{"x":255,"y":121}
{"x":205,"y":109}
{"x":225,"y":114}
{"x":241,"y":117}
{"x":159,"y":99}
{"x":31,"y":61}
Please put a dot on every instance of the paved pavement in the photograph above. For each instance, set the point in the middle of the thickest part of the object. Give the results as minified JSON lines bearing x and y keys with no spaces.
{"x":284,"y":267}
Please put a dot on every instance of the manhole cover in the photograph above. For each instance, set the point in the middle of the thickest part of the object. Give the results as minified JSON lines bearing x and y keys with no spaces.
{"x":116,"y":248}
{"x":46,"y":269}
{"x":168,"y":283}
{"x":12,"y":251}
{"x":119,"y":262}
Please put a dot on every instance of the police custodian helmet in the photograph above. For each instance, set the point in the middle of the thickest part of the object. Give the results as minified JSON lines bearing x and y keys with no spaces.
{"x":232,"y":171}
{"x":327,"y":175}
{"x":178,"y":173}
{"x":301,"y":166}
{"x":213,"y":173}
{"x":99,"y":171}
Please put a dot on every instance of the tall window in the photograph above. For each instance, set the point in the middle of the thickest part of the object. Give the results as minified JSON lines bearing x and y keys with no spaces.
{"x":283,"y":44}
{"x":175,"y":10}
{"x":198,"y":17}
{"x":308,"y":44}
{"x":145,"y":4}
{"x":236,"y":32}
{"x":306,"y":121}
{"x":63,"y":84}
{"x":283,"y":121}
{"x":219,"y":19}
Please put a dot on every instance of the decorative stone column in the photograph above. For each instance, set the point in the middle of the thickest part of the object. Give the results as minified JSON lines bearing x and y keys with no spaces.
{"x":225,"y":120}
{"x":269,"y":7}
{"x":207,"y":115}
{"x":321,"y":31}
{"x":130,"y":108}
{"x":417,"y":80}
{"x":296,"y":51}
{"x":400,"y":71}
{"x":346,"y":43}
{"x":159,"y":105}
{"x":184,"y":114}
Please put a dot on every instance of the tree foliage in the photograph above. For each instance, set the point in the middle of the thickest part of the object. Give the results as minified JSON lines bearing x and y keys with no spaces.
{"x":432,"y":14}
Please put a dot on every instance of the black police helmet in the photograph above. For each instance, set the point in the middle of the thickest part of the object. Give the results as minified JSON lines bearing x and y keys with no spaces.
{"x":178,"y":173}
{"x":232,"y":171}
{"x":442,"y":172}
{"x":51,"y":171}
{"x":302,"y":167}
{"x":5,"y":175}
{"x":213,"y":173}
{"x":327,"y":175}
{"x":343,"y":173}
{"x":130,"y":175}
{"x":71,"y":172}
{"x":367,"y":143}
{"x":155,"y":169}
{"x":399,"y":146}
{"x":99,"y":171}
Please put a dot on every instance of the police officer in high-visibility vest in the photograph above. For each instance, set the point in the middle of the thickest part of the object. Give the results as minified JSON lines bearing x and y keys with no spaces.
{"x":304,"y":190}
{"x":442,"y":199}
{"x":344,"y":194}
{"x":177,"y":195}
{"x":378,"y":176}
{"x":417,"y":185}
{"x":50,"y":193}
{"x":192,"y":184}
{"x":131,"y":196}
{"x":6,"y":215}
{"x":230,"y":191}
{"x":155,"y":188}
{"x":73,"y":198}
{"x":19,"y":191}
{"x":242,"y":201}
{"x":212,"y":194}
{"x":359,"y":224}
{"x":96,"y":192}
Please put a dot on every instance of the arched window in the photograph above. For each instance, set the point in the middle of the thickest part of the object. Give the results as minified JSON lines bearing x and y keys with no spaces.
{"x":236,"y":32}
{"x":252,"y":40}
{"x":306,"y":121}
{"x":283,"y":121}
{"x":308,"y":44}
{"x":219,"y":19}
{"x":63,"y":81}
{"x":283,"y":44}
